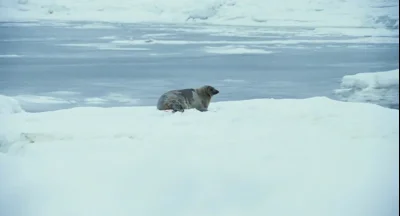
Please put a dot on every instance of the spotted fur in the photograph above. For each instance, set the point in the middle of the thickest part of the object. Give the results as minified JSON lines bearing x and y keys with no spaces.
{"x":179,"y":100}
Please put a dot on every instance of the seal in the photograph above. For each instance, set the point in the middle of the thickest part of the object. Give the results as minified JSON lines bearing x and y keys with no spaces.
{"x":181,"y":99}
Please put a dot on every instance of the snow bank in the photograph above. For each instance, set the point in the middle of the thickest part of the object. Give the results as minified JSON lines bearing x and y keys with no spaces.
{"x":379,"y":87}
{"x":37,"y":99}
{"x":355,"y":13}
{"x":258,"y":157}
{"x":9,"y":105}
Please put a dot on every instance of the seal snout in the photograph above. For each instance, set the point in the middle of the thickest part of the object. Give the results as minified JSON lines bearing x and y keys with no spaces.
{"x":211,"y":90}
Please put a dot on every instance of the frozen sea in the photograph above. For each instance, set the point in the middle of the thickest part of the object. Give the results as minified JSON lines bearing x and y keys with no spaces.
{"x":55,"y":65}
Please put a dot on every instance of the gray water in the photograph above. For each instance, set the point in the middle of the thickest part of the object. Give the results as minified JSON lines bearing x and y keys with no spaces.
{"x":78,"y":64}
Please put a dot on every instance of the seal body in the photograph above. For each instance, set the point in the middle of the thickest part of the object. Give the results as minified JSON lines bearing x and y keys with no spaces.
{"x":181,"y":99}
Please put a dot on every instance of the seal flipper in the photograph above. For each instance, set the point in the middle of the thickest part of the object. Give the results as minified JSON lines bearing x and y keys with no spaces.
{"x":177,"y":107}
{"x":202,"y":109}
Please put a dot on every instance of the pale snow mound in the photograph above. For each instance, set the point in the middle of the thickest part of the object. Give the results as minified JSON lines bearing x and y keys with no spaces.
{"x":258,"y":157}
{"x":333,"y":13}
{"x":9,"y":105}
{"x":379,"y":87}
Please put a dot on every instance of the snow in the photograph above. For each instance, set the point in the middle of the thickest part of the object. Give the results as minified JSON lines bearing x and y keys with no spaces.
{"x":105,"y":46}
{"x":23,"y":40}
{"x":258,"y":31}
{"x":10,"y":56}
{"x":95,"y":26}
{"x":234,"y":81}
{"x":59,"y":99}
{"x":235,"y":50}
{"x":328,"y":13}
{"x":9,"y":105}
{"x":377,"y":87}
{"x":95,"y":100}
{"x":312,"y":157}
{"x":63,"y":93}
{"x":122,"y":98}
{"x":377,"y":40}
{"x":41,"y":99}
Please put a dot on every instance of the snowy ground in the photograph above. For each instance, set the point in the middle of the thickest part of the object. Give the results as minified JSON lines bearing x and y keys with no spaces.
{"x":332,"y":13}
{"x":296,"y":154}
{"x":111,"y":64}
{"x":260,"y":157}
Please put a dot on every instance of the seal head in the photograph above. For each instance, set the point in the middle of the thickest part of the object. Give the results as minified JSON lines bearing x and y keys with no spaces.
{"x":210,"y":90}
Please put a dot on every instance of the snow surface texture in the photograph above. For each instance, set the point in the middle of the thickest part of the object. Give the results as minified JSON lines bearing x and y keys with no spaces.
{"x":353,"y":13}
{"x":378,"y":88}
{"x":257,"y":157}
